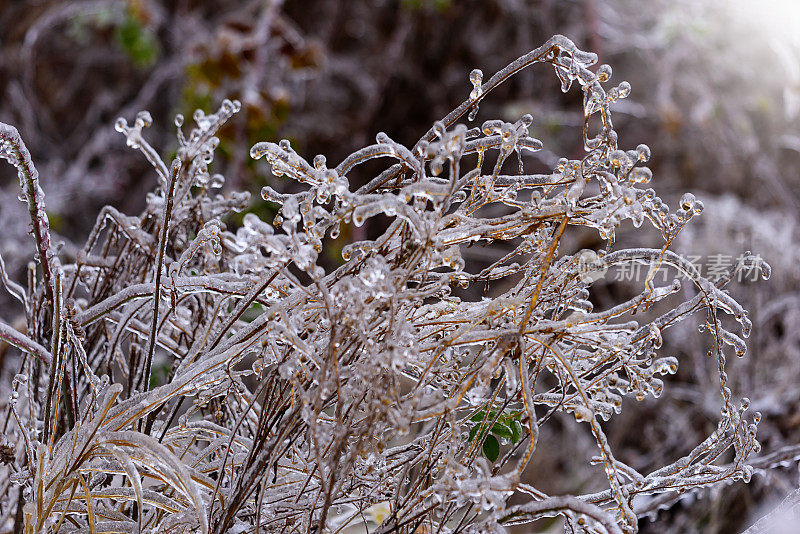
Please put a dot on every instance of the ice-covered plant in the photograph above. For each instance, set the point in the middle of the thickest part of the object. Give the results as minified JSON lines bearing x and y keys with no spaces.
{"x":379,"y":393}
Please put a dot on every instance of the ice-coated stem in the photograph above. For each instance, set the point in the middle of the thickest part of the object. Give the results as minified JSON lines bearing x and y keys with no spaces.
{"x":13,"y":149}
{"x":162,"y":245}
{"x":557,"y":505}
{"x":24,"y":343}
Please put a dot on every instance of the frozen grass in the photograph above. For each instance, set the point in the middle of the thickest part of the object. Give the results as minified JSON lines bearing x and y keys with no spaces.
{"x":298,"y":398}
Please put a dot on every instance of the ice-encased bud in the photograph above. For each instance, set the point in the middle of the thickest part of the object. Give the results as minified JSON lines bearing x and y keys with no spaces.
{"x":604,"y":73}
{"x":476,"y":77}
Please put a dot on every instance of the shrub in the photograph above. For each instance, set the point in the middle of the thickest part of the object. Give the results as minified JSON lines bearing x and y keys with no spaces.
{"x":185,"y":375}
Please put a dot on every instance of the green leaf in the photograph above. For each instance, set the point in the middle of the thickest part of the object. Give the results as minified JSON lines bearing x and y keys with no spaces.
{"x":252,"y":312}
{"x":472,"y":432}
{"x":510,"y":416}
{"x":516,"y":431}
{"x":478,"y":417}
{"x":501,"y":430}
{"x":491,"y":448}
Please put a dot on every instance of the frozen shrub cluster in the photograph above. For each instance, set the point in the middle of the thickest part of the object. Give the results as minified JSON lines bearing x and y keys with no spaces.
{"x":299,"y":398}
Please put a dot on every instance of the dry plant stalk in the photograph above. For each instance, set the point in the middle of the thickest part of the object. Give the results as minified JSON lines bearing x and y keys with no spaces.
{"x":300,"y":399}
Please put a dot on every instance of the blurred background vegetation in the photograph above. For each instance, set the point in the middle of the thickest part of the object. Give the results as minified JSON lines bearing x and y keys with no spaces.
{"x":716,"y":96}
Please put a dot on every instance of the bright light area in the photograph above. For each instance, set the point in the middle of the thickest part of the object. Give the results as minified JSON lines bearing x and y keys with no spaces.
{"x":780,"y":19}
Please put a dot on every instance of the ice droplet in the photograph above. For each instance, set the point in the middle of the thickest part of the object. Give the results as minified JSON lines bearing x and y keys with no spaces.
{"x":476,"y":77}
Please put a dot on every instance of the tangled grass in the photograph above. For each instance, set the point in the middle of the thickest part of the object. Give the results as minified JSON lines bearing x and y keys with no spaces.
{"x":378,"y":393}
